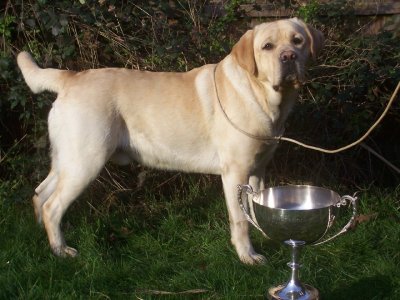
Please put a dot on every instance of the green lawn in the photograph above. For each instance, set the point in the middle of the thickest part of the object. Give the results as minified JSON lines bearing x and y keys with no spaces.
{"x":173,"y":242}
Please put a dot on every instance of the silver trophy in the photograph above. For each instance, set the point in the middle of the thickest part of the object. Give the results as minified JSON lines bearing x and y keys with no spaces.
{"x":295,"y":215}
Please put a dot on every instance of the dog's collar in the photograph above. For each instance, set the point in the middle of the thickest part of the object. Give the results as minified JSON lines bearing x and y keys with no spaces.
{"x":250,"y":135}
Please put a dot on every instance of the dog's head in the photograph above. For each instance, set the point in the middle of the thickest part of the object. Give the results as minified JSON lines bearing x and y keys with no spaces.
{"x":277,"y":52}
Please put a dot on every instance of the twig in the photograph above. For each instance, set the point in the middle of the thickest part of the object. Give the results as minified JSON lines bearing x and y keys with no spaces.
{"x":156,"y":292}
{"x":168,"y":180}
{"x":13,"y":146}
{"x":369,"y":149}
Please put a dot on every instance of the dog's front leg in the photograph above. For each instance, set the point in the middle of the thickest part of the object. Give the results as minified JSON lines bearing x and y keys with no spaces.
{"x":257,"y":182}
{"x":240,"y":238}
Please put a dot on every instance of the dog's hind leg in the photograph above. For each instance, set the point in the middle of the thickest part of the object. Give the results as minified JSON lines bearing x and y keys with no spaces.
{"x":72,"y":180}
{"x":43,"y":192}
{"x":82,"y":140}
{"x":81,"y":154}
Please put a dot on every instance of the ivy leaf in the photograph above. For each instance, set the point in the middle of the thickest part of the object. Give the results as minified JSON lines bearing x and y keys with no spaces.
{"x":55,"y":30}
{"x":63,"y":20}
{"x":30,"y":22}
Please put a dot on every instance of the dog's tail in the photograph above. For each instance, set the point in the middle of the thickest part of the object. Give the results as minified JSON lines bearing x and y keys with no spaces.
{"x":39,"y":79}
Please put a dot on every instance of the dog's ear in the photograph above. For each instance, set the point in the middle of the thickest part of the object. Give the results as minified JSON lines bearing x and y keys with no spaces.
{"x":316,"y":37}
{"x":317,"y":41}
{"x":243,"y":52}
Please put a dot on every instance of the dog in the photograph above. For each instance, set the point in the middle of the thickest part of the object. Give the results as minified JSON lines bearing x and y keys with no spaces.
{"x":201,"y":121}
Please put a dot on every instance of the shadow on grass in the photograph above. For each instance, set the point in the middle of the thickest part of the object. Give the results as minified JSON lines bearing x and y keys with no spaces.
{"x":375,"y":287}
{"x":265,"y":245}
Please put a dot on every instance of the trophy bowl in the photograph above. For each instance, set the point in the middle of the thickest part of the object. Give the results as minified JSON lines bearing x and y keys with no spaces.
{"x":296,"y":215}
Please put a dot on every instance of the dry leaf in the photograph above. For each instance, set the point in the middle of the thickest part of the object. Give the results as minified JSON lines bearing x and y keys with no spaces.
{"x":364,"y":218}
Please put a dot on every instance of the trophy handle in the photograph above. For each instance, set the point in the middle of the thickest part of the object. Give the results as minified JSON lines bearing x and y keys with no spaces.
{"x":249,"y":191}
{"x":352,"y":221}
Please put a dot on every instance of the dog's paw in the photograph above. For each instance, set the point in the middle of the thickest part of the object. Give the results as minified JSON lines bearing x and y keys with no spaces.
{"x":71,"y":252}
{"x":64,"y":251}
{"x":246,"y":252}
{"x":253,"y":259}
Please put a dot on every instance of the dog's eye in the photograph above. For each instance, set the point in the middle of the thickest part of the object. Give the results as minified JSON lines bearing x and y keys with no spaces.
{"x":297,"y":40}
{"x":268,"y":46}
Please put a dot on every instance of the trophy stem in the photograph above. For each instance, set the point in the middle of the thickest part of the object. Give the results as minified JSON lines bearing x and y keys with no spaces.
{"x":294,"y":265}
{"x":294,"y":289}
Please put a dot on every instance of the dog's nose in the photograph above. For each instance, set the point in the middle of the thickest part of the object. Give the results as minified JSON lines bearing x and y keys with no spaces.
{"x":287,"y":56}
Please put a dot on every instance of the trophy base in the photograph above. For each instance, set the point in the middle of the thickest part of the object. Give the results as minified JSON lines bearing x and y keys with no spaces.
{"x":311,"y":293}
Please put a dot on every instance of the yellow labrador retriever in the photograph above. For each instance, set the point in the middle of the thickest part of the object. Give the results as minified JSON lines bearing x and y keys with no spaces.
{"x":177,"y":121}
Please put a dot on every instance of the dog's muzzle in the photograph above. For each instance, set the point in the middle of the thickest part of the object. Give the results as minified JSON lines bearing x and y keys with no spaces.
{"x":290,"y":70}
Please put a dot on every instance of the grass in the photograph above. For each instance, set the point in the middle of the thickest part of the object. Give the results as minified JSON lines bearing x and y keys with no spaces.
{"x":173,"y":242}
